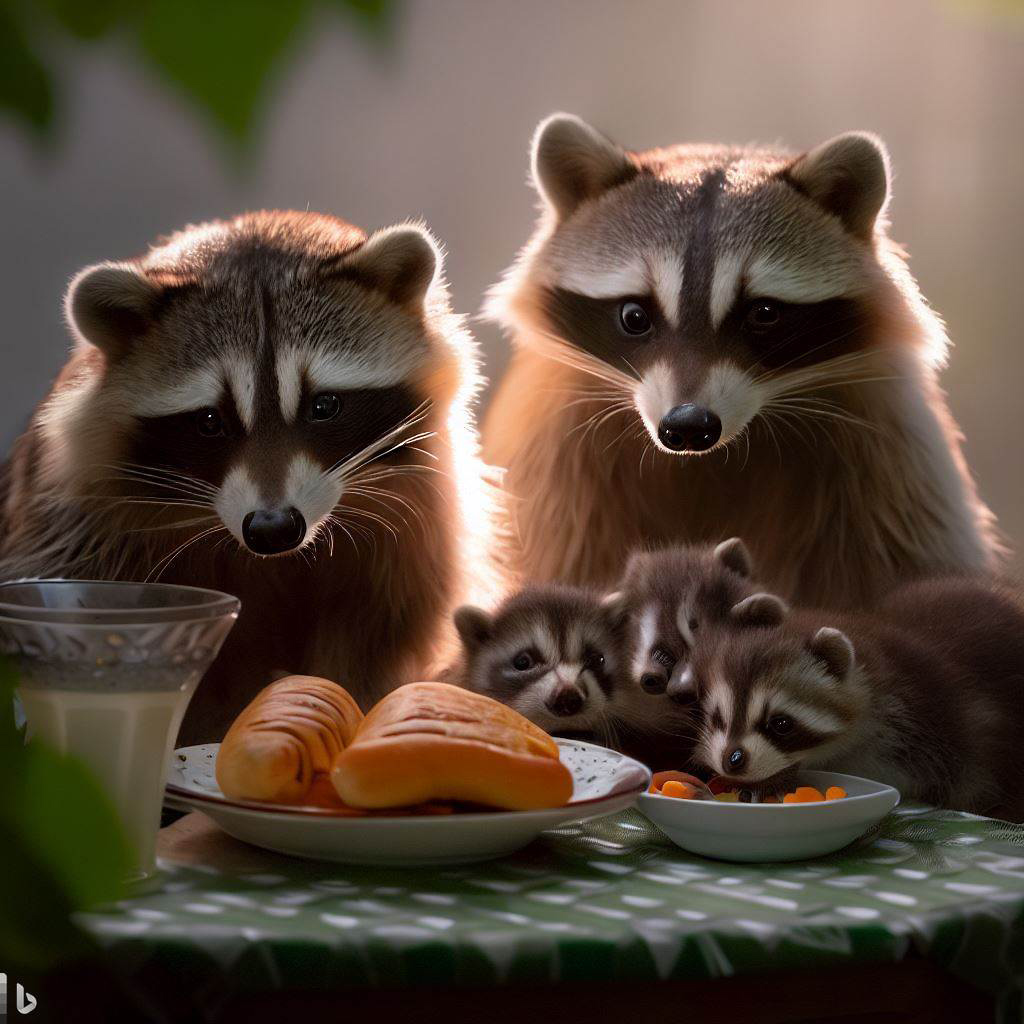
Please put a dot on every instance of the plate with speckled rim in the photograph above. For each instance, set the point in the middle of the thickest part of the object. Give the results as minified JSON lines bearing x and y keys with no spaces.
{"x":773,"y":832}
{"x":604,"y":781}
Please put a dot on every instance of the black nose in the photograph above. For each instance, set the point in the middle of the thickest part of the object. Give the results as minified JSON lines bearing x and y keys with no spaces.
{"x":270,"y":533}
{"x":653,"y":683}
{"x":567,"y":702}
{"x":737,"y":757}
{"x":689,"y":428}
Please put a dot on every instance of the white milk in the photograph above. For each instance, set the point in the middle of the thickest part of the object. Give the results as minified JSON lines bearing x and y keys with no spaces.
{"x":125,"y":739}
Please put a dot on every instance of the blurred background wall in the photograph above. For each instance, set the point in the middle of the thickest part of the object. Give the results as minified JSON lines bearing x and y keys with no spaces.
{"x":436,"y":124}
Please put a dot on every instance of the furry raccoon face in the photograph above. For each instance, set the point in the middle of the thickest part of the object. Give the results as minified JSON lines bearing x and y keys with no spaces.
{"x":673,"y":596}
{"x":552,"y":653}
{"x":769,"y":700}
{"x":260,"y":366}
{"x":708,"y":285}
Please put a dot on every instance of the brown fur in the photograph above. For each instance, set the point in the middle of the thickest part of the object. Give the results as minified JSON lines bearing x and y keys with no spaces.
{"x":861,"y":485}
{"x":931,"y":701}
{"x":366,"y":600}
{"x":577,"y":640}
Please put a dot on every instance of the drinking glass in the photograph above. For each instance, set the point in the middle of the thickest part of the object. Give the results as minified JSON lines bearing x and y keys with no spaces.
{"x":106,"y":671}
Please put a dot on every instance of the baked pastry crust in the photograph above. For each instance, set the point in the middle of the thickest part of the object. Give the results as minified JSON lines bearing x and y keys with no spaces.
{"x":291,"y":731}
{"x":436,"y":741}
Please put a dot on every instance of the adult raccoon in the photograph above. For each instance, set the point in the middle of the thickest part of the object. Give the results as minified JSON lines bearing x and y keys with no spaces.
{"x":713,"y":340}
{"x":277,"y":406}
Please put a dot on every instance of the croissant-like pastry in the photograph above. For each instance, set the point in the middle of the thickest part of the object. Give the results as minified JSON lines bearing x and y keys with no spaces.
{"x":291,"y":731}
{"x":435,"y":741}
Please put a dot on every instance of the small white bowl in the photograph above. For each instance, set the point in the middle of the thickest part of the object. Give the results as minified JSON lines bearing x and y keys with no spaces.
{"x":773,"y":832}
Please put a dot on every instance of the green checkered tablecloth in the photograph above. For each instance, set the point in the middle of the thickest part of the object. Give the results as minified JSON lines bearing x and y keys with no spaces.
{"x":610,"y":899}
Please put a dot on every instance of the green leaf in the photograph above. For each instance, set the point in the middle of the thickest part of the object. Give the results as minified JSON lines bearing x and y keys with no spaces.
{"x":25,"y":87}
{"x":68,"y":820}
{"x":221,"y":55}
{"x":376,"y":17}
{"x":61,"y":843}
{"x":35,"y":915}
{"x":90,"y":20}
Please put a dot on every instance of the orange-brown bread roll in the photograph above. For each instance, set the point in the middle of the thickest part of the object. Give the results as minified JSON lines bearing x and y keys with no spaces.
{"x":435,"y":741}
{"x":291,"y":731}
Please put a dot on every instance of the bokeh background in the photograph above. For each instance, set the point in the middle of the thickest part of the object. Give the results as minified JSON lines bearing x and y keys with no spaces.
{"x":380,"y":112}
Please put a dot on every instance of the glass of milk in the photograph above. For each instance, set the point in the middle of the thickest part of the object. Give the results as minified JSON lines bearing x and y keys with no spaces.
{"x":106,"y":671}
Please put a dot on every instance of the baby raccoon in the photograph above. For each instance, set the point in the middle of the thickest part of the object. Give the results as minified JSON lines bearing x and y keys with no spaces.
{"x":672,"y":594}
{"x":553,"y":653}
{"x":925,"y":694}
{"x":557,"y":655}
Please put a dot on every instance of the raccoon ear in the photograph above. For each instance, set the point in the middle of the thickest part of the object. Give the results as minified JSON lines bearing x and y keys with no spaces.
{"x":572,"y":162}
{"x":615,"y":608}
{"x":474,"y":626}
{"x":834,"y":650}
{"x":401,"y":261}
{"x":733,"y":554}
{"x":759,"y":610}
{"x":849,"y":177}
{"x":110,"y":305}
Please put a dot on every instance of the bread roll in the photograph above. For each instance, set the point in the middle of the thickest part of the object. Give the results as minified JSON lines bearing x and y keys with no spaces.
{"x":292,"y":730}
{"x":435,"y":741}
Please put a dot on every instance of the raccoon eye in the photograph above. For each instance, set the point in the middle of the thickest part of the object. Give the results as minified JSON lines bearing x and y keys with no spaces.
{"x":209,"y":423}
{"x":663,"y":657}
{"x":325,"y":406}
{"x":593,"y":659}
{"x":634,"y":318}
{"x":693,"y":624}
{"x":762,"y":316}
{"x":780,"y":725}
{"x":523,"y":661}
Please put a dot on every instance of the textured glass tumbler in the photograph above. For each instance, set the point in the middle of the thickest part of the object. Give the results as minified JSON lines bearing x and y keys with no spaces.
{"x":106,"y":671}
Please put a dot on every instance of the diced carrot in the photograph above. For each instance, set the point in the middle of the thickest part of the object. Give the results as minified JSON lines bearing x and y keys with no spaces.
{"x":835,"y":793}
{"x":660,"y":778}
{"x":807,"y":795}
{"x":682,"y":790}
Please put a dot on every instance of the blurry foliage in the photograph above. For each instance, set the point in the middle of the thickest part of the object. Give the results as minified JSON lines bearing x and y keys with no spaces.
{"x":61,"y":847}
{"x":221,"y":55}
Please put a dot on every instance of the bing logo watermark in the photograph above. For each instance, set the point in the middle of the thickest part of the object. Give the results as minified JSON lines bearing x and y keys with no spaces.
{"x":24,"y":1001}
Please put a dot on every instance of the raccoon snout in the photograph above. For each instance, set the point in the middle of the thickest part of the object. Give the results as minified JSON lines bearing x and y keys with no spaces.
{"x":566,"y":701}
{"x":689,"y":428}
{"x":735,"y":760}
{"x":272,"y":532}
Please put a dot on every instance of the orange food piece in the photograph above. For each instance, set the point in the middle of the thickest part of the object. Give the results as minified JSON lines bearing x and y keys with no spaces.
{"x":804,"y":795}
{"x":682,"y":790}
{"x":660,"y":778}
{"x":291,"y":731}
{"x":322,"y":795}
{"x":835,"y":793}
{"x":435,"y":741}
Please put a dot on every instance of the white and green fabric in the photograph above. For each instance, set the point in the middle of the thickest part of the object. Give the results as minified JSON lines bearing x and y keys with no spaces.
{"x":611,"y":899}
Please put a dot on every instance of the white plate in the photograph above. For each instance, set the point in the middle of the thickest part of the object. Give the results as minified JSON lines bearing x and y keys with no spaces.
{"x":604,"y":782}
{"x":770,"y":832}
